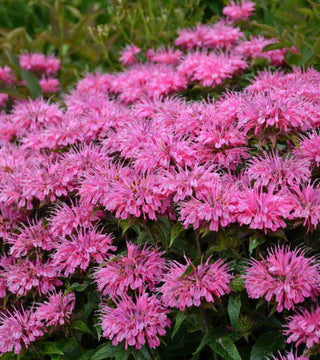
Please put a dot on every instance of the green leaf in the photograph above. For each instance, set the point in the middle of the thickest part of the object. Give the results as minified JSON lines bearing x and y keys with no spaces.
{"x":208,"y":338}
{"x":32,"y":83}
{"x":298,"y":40}
{"x":234,"y":306}
{"x":75,"y":287}
{"x":82,"y":326}
{"x":225,"y":347}
{"x":51,"y":348}
{"x":255,"y":241}
{"x":316,"y":46}
{"x":87,"y":355}
{"x":179,"y":320}
{"x":267,"y":344}
{"x":105,"y":351}
{"x":176,"y":230}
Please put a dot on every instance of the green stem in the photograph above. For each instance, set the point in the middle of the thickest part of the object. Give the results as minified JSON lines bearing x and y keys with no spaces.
{"x":204,"y":318}
{"x":197,"y":235}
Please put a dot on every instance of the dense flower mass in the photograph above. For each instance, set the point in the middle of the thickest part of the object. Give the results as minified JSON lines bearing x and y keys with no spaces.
{"x":188,"y":151}
{"x":205,"y":282}
{"x":286,"y":276}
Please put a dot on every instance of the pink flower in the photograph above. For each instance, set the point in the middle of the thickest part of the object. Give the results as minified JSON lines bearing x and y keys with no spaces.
{"x":140,"y":268}
{"x":17,"y":329}
{"x":239,"y":11}
{"x":137,"y":323}
{"x":128,"y":55}
{"x":211,"y":69}
{"x":276,"y":171}
{"x":49,"y":85}
{"x":57,"y":310}
{"x":309,"y":148}
{"x":40,"y":63}
{"x":205,"y":281}
{"x":66,"y":219}
{"x":214,"y":36}
{"x":211,"y":206}
{"x":81,"y":249}
{"x":261,"y":210}
{"x":6,"y":75}
{"x":151,"y":80}
{"x":307,"y":204}
{"x":277,"y":109}
{"x":164,"y":56}
{"x":26,"y":275}
{"x":286,"y":276}
{"x":304,"y":327}
{"x":3,"y":99}
{"x":95,"y":83}
{"x":253,"y":47}
{"x":34,"y":236}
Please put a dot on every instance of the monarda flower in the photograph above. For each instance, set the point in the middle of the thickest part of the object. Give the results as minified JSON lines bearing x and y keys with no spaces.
{"x":307,"y":204}
{"x":261,"y":210}
{"x":57,"y":310}
{"x":304,"y":327}
{"x":211,"y":207}
{"x":128,"y":55}
{"x":285,"y":276}
{"x":276,"y":171}
{"x":140,"y":268}
{"x":66,"y":219}
{"x":34,"y":236}
{"x":82,"y":248}
{"x":164,"y":56}
{"x":136,"y":322}
{"x":211,"y":69}
{"x":309,"y":148}
{"x":40,"y":63}
{"x":26,"y":275}
{"x":17,"y":329}
{"x":204,"y":282}
{"x":239,"y":11}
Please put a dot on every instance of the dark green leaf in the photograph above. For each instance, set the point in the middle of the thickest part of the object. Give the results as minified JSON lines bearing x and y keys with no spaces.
{"x":176,"y":230}
{"x":32,"y":83}
{"x":234,"y":306}
{"x":179,"y":320}
{"x":225,"y":347}
{"x":82,"y":326}
{"x":267,"y":344}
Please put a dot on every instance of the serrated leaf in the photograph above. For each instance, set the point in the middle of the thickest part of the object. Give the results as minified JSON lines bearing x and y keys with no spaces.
{"x":82,"y":326}
{"x":179,"y":320}
{"x":226,"y":348}
{"x":32,"y":83}
{"x":267,"y":344}
{"x":234,"y":306}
